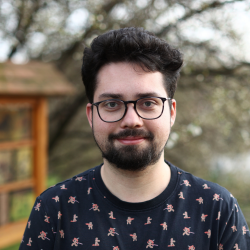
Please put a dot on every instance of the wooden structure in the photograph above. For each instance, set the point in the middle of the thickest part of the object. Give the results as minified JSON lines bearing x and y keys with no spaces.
{"x":23,"y":140}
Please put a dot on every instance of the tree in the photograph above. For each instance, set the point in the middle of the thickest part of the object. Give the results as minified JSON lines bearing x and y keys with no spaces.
{"x":212,"y":95}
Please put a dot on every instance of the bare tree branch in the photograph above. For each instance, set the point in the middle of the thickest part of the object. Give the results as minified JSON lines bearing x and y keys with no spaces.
{"x":24,"y":23}
{"x":223,"y":70}
{"x":192,"y":12}
{"x":106,"y":8}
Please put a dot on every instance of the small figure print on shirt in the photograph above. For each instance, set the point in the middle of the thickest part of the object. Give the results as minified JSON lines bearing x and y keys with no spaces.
{"x":186,"y":215}
{"x":37,"y":207}
{"x":56,"y":198}
{"x":59,"y":215}
{"x":244,"y":230}
{"x":148,"y":221}
{"x":220,"y":247}
{"x":29,"y":243}
{"x":237,"y":210}
{"x":191,"y":247}
{"x":95,"y":207}
{"x":74,"y":218}
{"x":96,"y":242}
{"x":43,"y":236}
{"x":63,"y":187}
{"x":200,"y":200}
{"x":164,"y":225}
{"x":169,"y":207}
{"x":129,"y":220}
{"x":205,"y":186}
{"x":186,"y":183}
{"x":61,"y":233}
{"x":134,"y":236}
{"x":217,"y":197}
{"x":72,"y":200}
{"x":208,"y":233}
{"x":76,"y":242}
{"x":90,"y":225}
{"x":111,"y":215}
{"x":218,"y":216}
{"x":46,"y":218}
{"x":172,"y":241}
{"x":150,"y":244}
{"x":89,"y":189}
{"x":236,"y":246}
{"x":79,"y":178}
{"x":112,"y":232}
{"x":181,"y":195}
{"x":187,"y":231}
{"x":203,"y":217}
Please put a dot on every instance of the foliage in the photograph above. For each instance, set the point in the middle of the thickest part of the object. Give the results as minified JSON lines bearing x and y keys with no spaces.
{"x":12,"y":247}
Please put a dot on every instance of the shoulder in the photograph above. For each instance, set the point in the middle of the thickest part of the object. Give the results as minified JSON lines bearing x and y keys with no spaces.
{"x":201,"y":184}
{"x":205,"y":198}
{"x":198,"y":189}
{"x":68,"y":188}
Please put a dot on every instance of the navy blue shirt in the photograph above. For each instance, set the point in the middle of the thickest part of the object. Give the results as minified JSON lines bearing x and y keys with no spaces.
{"x":190,"y":213}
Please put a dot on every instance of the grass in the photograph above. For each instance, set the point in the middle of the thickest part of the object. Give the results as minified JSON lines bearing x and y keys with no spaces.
{"x":13,"y":247}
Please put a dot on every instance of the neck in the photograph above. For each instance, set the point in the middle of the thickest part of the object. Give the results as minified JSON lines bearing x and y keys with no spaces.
{"x":136,"y":186}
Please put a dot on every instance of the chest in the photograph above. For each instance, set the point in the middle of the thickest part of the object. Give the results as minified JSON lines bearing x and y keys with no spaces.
{"x":110,"y":228}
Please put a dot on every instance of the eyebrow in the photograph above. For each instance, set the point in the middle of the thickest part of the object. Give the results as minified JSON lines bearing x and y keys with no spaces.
{"x":140,"y":95}
{"x":110,"y":95}
{"x":120,"y":96}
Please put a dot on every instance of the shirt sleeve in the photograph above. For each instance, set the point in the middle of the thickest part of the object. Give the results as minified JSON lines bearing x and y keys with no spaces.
{"x":236,"y":232}
{"x":39,"y":230}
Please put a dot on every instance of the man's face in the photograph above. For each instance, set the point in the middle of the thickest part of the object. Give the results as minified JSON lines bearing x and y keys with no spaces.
{"x":132,"y":143}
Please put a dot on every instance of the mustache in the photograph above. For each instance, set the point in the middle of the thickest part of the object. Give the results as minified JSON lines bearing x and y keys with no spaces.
{"x":132,"y":132}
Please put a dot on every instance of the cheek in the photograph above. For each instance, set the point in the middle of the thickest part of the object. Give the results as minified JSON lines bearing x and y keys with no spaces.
{"x":101,"y":128}
{"x":162,"y":123}
{"x":157,"y":127}
{"x":160,"y":127}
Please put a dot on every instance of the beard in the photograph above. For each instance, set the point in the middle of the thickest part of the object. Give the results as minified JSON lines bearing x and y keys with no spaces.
{"x":130,"y":157}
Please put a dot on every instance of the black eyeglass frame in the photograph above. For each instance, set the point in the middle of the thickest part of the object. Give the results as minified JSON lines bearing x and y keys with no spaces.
{"x":134,"y":102}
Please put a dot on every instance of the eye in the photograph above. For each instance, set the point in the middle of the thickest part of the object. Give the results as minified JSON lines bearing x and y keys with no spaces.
{"x":148,"y":103}
{"x":111,"y":104}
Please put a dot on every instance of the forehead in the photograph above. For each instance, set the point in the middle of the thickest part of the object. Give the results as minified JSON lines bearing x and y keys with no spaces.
{"x":128,"y":81}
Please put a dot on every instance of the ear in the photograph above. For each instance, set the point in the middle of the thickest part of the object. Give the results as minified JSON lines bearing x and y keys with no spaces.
{"x":89,"y":114}
{"x":173,"y":112}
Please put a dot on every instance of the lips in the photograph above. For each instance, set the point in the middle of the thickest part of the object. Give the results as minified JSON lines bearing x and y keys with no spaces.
{"x":130,"y":140}
{"x":131,"y":137}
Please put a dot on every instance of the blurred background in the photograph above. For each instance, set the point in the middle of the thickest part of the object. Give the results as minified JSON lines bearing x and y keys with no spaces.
{"x":211,"y":136}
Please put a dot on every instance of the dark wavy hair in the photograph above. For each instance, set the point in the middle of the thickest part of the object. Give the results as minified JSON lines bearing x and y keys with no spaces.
{"x":131,"y":45}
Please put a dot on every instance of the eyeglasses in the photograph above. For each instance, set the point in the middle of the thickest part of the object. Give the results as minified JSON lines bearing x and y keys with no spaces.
{"x":113,"y":110}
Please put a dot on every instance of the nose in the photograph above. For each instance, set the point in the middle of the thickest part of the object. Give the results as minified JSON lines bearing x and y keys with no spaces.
{"x":131,"y":118}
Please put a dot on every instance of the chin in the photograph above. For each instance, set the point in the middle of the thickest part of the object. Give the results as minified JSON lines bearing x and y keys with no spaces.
{"x":132,"y":158}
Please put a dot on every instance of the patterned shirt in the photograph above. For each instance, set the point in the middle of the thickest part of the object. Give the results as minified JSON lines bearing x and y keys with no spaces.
{"x":190,"y":213}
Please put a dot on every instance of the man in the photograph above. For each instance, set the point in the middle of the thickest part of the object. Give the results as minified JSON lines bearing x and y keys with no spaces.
{"x":135,"y":199}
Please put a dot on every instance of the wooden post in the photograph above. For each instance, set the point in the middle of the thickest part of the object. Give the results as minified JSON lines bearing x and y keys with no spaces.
{"x":40,"y":148}
{"x":4,"y":208}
